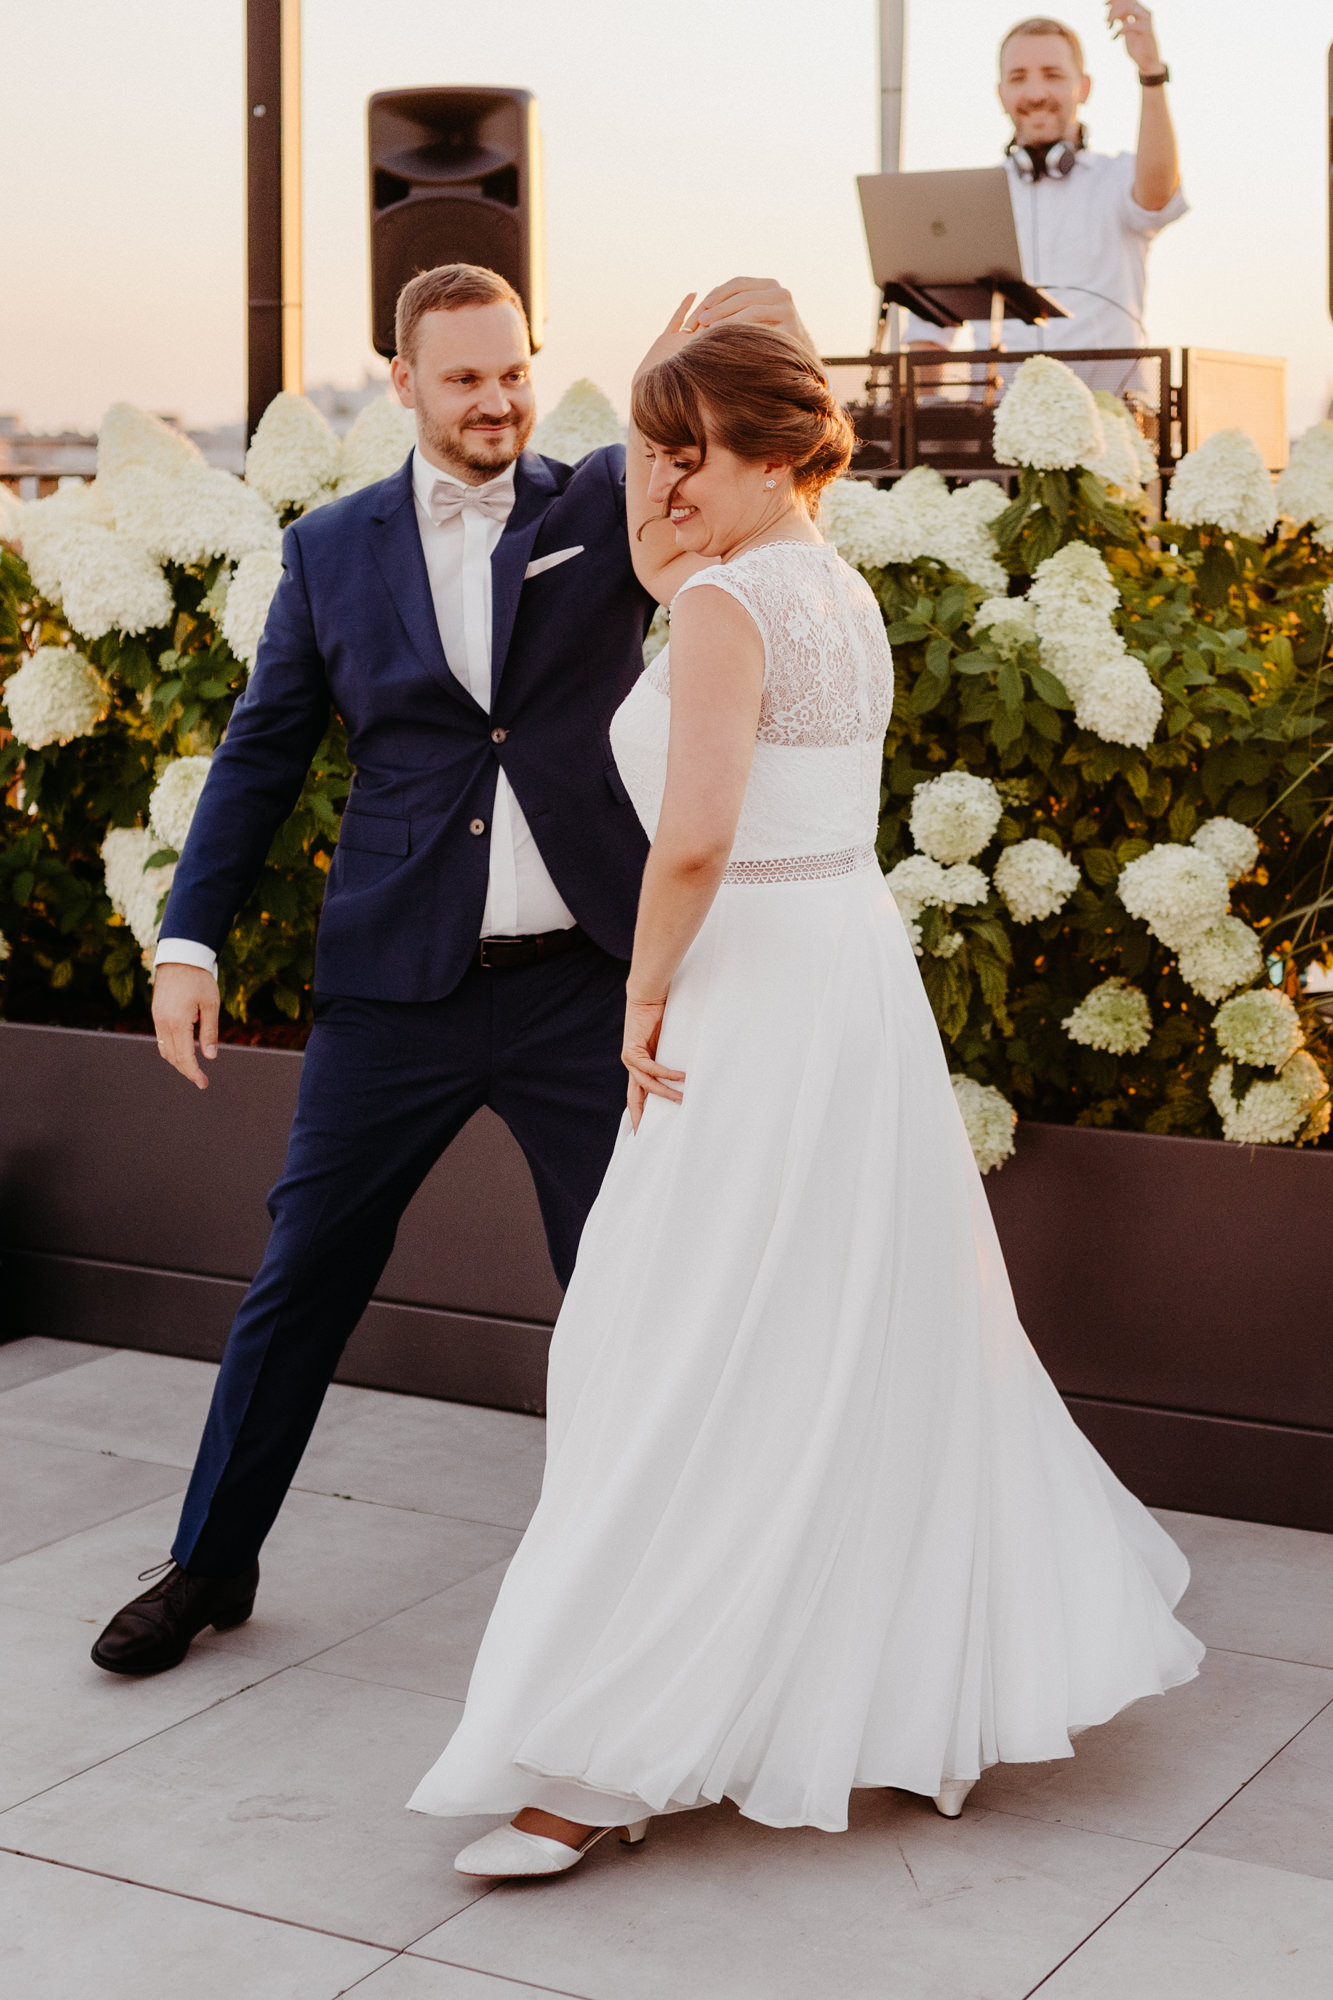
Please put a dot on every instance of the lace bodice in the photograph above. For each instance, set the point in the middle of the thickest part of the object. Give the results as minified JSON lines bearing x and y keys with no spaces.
{"x":811,"y":807}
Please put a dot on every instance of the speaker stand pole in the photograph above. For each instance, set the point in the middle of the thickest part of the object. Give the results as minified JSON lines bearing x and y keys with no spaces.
{"x":273,"y":202}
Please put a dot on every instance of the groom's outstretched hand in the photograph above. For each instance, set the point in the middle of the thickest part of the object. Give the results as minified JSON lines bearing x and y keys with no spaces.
{"x":182,"y":996}
{"x":750,"y":302}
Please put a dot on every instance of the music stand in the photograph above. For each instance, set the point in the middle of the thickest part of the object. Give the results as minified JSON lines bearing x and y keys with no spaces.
{"x":945,"y":246}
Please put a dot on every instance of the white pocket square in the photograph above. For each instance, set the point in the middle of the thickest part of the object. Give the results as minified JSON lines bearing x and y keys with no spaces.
{"x":550,"y":562}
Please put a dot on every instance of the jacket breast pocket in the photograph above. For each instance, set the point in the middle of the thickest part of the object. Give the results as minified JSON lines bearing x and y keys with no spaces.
{"x":370,"y":834}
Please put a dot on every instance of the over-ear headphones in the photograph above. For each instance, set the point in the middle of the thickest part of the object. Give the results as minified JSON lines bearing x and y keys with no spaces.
{"x":1056,"y":164}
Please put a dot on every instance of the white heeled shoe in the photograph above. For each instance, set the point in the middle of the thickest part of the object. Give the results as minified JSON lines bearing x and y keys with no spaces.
{"x":509,"y":1852}
{"x":948,"y":1800}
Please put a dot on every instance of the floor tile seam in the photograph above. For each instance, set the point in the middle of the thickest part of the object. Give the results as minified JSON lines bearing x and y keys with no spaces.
{"x":464,"y":1520}
{"x":1278,"y":1659}
{"x":1102,"y":1922}
{"x":391,"y":1951}
{"x":416,"y":1603}
{"x":369,"y":1680}
{"x":1167,"y":1847}
{"x":525,"y":1985}
{"x":39,"y":1548}
{"x":1309,"y":1723}
{"x":24,"y":1434}
{"x":62,"y":1368}
{"x":96,"y":1765}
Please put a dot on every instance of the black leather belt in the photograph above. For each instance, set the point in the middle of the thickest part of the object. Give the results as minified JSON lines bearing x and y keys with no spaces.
{"x":505,"y":954}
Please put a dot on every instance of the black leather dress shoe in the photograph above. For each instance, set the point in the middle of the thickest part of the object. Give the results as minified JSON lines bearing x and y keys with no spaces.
{"x":154,"y":1631}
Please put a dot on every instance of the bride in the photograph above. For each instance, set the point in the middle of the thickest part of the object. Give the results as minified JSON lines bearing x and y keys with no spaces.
{"x":814,"y":1516}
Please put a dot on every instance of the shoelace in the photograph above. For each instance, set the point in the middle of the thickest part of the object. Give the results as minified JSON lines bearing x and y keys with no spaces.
{"x":162,"y":1575}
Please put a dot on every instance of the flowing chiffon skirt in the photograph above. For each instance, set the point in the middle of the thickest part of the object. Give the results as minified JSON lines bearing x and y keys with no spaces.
{"x":814,"y":1516}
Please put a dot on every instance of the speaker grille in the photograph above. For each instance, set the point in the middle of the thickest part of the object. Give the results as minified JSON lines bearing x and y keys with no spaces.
{"x":439,"y":229}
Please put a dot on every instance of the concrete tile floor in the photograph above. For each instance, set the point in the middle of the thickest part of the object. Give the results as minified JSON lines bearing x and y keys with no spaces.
{"x":235,"y":1829}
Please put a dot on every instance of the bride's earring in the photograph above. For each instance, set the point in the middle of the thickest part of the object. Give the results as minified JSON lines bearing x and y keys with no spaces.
{"x":770,"y":482}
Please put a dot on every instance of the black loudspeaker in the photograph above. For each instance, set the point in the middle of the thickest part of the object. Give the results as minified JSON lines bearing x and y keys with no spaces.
{"x":455,"y":178}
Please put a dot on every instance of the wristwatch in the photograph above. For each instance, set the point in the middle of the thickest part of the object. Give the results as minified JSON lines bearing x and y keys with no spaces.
{"x":1154,"y":82}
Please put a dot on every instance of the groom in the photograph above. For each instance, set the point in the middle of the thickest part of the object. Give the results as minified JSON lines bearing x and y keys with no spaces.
{"x":475,"y":621}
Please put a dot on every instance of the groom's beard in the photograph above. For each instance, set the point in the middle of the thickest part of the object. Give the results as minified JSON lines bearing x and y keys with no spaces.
{"x":474,"y":446}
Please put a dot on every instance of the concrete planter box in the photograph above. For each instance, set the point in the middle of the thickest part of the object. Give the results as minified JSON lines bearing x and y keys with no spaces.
{"x":1175,"y":1288}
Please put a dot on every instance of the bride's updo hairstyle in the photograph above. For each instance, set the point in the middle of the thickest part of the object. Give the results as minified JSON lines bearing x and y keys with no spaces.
{"x":756,"y":392}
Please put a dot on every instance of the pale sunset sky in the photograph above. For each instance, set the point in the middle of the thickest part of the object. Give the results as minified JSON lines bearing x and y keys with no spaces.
{"x":684,"y":142}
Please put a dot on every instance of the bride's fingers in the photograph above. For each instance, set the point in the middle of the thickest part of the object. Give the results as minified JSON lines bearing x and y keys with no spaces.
{"x":677,"y":321}
{"x":645,"y":1077}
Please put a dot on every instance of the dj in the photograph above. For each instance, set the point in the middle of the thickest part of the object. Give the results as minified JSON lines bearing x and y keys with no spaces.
{"x":1084,"y":219}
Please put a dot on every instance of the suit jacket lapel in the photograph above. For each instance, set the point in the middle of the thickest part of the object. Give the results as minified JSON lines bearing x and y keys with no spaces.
{"x":534,"y":490}
{"x":396,"y":544}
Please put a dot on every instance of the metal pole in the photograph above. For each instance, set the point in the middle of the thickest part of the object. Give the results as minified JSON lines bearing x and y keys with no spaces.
{"x":273,"y":202}
{"x":892,"y":49}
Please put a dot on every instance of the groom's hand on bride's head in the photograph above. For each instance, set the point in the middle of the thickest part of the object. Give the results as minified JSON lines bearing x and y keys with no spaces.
{"x":750,"y":302}
{"x":182,"y":996}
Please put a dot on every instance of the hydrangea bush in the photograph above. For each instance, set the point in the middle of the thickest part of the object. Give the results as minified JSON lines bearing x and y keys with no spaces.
{"x":1147,"y":706}
{"x":1107,"y":783}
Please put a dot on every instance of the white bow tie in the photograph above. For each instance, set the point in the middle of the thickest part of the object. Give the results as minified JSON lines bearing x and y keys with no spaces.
{"x":448,"y":501}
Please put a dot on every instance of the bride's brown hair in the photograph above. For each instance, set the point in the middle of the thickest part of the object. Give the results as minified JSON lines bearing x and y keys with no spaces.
{"x":756,"y":392}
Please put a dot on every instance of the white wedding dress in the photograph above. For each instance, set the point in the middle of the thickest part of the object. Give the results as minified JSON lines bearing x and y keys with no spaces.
{"x":814,"y":1516}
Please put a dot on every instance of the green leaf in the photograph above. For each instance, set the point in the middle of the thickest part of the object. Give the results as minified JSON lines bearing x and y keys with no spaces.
{"x":1009,"y":686}
{"x":938,"y":655}
{"x":1101,"y":867}
{"x":1051,"y":690}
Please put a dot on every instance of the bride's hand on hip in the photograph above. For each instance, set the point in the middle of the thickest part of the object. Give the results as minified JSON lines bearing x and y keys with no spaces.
{"x":647,"y":1077}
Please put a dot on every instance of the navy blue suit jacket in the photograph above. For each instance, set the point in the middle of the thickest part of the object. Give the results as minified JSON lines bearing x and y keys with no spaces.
{"x":352,"y":627}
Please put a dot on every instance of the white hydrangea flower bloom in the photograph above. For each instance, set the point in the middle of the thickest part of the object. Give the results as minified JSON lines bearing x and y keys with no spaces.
{"x":988,"y":1119}
{"x":54,"y":697}
{"x":1035,"y":879}
{"x":953,"y":816}
{"x":194,"y":517}
{"x":1118,"y":701}
{"x":1072,"y":598}
{"x":1232,"y":844}
{"x":1115,"y":1016}
{"x":1010,"y":622}
{"x":45,"y":527}
{"x":249,"y":595}
{"x":135,"y":889}
{"x":109,"y":583}
{"x":964,"y":885}
{"x":582,"y":421}
{"x":1048,"y":418}
{"x":174,"y":798}
{"x":1224,"y":484}
{"x":376,"y":445}
{"x":1293,"y":1106}
{"x":1178,"y":892}
{"x":1118,"y":464}
{"x":1261,"y":1028}
{"x":1305,"y":483}
{"x":656,"y":636}
{"x":11,"y":515}
{"x":1227,"y":955}
{"x":129,"y":436}
{"x":294,"y":456}
{"x":918,"y":884}
{"x":862,"y":524}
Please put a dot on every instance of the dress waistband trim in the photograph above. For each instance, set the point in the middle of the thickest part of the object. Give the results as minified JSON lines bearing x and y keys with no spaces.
{"x":802,"y":867}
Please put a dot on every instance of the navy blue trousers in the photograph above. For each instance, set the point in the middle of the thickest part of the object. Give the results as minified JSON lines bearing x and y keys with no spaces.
{"x":385,"y":1087}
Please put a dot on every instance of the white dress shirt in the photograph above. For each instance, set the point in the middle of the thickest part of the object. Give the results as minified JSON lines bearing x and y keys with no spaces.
{"x":1083,"y":239}
{"x":521,"y":898}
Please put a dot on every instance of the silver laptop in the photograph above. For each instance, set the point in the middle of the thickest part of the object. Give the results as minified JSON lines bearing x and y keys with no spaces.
{"x":940,"y":229}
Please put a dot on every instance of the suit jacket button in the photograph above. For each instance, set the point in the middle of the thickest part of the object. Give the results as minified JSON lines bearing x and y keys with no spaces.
{"x":499,"y":735}
{"x":477,"y":826}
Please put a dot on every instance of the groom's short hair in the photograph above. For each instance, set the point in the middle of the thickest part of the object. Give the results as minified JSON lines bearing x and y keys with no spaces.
{"x":448,"y":288}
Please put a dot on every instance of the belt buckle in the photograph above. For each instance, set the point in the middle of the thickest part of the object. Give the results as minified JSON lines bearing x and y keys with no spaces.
{"x":484,"y":947}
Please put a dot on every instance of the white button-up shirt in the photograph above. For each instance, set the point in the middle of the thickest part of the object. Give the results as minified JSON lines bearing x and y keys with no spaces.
{"x":1083,"y":239}
{"x":521,"y":898}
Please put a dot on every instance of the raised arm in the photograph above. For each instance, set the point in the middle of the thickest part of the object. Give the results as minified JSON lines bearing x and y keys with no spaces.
{"x":1157,"y":167}
{"x":659,"y":564}
{"x":717,"y":678}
